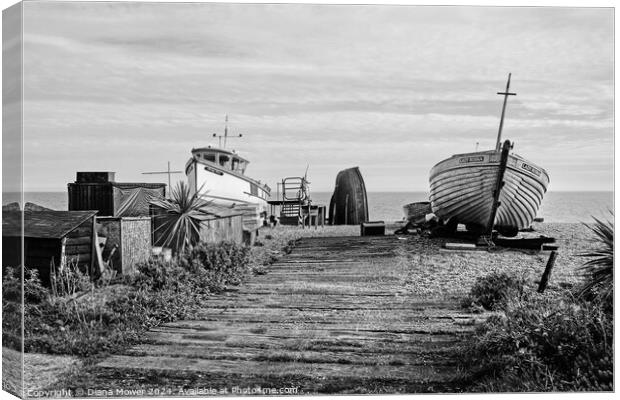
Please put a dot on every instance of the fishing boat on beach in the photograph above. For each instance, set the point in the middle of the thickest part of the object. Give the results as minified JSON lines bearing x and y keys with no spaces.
{"x":486,"y":190}
{"x":219,"y":176}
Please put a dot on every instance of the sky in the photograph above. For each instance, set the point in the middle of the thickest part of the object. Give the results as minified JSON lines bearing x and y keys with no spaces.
{"x":127,"y":87}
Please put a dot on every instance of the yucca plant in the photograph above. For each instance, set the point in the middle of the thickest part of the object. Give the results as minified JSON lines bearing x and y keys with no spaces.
{"x":599,"y":271}
{"x":183,"y":214}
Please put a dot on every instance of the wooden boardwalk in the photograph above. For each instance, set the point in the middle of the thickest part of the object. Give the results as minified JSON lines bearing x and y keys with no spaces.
{"x":334,"y":316}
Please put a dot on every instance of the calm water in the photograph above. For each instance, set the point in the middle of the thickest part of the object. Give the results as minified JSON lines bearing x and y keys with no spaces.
{"x":387,"y":206}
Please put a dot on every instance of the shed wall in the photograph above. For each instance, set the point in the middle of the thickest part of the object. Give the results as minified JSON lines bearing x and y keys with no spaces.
{"x":79,"y":245}
{"x":132,"y":236}
{"x":223,"y":229}
{"x":38,"y":253}
{"x":135,"y":242}
{"x":91,"y":196}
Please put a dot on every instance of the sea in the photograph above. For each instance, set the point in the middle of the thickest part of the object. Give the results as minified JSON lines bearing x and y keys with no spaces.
{"x":388,"y":206}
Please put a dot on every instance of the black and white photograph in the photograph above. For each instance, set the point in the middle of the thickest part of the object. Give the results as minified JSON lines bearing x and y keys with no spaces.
{"x":220,"y":199}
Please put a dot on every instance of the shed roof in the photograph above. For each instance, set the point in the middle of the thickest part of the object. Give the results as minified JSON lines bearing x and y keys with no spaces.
{"x":43,"y":224}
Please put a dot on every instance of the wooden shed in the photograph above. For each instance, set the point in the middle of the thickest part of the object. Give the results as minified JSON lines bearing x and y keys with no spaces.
{"x":221,"y":224}
{"x":128,"y":241}
{"x":98,"y":191}
{"x":49,"y":237}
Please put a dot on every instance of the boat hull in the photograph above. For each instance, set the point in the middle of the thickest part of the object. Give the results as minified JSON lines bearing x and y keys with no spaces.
{"x":349,"y":202}
{"x":462,"y":189}
{"x":227,"y":189}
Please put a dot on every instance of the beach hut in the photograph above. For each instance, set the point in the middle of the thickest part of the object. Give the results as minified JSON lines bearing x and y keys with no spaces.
{"x":57,"y":237}
{"x":98,"y":191}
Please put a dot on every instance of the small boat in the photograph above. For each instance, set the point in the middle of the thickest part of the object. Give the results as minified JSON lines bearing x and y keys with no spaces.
{"x":417,"y":212}
{"x":349,"y":203}
{"x":486,"y":190}
{"x":219,"y":175}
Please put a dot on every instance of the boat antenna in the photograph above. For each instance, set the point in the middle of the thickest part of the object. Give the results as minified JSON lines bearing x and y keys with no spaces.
{"x":225,"y":135}
{"x":501,"y":121}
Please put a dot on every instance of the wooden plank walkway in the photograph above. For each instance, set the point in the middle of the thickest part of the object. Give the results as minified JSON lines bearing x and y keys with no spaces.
{"x":334,"y":316}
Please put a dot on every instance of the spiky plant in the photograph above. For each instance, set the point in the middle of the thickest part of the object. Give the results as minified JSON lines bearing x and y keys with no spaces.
{"x":179,"y":224}
{"x":599,"y":271}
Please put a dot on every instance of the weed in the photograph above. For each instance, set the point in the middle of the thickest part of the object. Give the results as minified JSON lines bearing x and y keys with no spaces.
{"x":493,"y":290}
{"x":69,"y":280}
{"x":543,"y":342}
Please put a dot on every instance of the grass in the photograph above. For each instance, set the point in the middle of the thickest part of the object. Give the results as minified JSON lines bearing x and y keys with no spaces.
{"x":543,"y":342}
{"x":554,"y":341}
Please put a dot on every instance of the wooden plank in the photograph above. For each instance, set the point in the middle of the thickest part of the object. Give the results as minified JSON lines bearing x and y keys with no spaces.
{"x":97,"y":264}
{"x":72,"y":241}
{"x":72,"y":249}
{"x":460,"y":246}
{"x":280,"y":369}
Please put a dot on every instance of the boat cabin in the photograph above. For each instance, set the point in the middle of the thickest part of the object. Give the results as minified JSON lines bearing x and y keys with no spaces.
{"x":228,"y":160}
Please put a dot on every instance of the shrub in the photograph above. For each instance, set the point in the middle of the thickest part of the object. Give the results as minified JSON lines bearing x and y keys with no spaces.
{"x":156,"y":274}
{"x":62,"y":326}
{"x":543,"y":343}
{"x":493,"y":290}
{"x":160,"y":292}
{"x":215,"y":266}
{"x":182,"y":217}
{"x":599,"y":271}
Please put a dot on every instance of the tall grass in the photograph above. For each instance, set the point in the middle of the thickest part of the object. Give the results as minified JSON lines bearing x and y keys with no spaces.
{"x":554,"y":341}
{"x":95,"y":319}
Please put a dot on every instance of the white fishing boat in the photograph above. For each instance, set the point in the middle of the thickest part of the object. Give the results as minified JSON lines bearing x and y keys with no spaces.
{"x":219,"y":175}
{"x":485,"y":190}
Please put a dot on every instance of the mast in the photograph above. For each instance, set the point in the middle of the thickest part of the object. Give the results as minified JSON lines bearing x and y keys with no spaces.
{"x":225,"y":130}
{"x":501,"y":121}
{"x":225,"y":135}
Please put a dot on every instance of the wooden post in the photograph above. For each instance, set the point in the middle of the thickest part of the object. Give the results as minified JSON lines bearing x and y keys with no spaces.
{"x":545,"y":277}
{"x":499,"y":183}
{"x":63,"y":254}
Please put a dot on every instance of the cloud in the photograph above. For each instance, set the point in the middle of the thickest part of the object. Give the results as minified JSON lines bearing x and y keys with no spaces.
{"x":393,"y":88}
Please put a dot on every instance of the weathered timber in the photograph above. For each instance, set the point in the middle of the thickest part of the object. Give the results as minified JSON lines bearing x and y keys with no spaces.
{"x":333,"y":310}
{"x":545,"y":277}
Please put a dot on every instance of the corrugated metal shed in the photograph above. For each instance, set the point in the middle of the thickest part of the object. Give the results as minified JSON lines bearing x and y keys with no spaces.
{"x":43,"y":224}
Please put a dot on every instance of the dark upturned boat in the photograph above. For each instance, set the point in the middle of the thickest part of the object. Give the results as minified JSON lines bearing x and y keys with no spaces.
{"x":349,"y":204}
